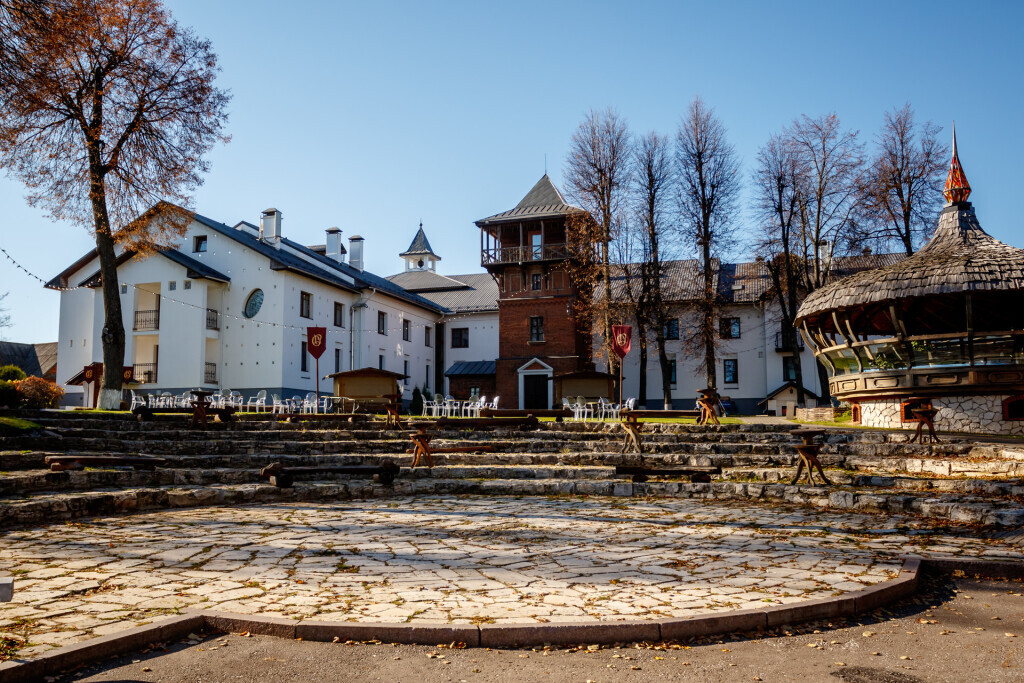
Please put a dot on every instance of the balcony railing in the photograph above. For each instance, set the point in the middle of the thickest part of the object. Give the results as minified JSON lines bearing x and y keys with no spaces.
{"x":147,"y":320}
{"x":523,"y":254}
{"x":783,"y":345}
{"x":145,"y":372}
{"x":212,"y":319}
{"x":210,"y":373}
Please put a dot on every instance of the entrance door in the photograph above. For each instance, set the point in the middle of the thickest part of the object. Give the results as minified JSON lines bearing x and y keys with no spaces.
{"x":535,"y":391}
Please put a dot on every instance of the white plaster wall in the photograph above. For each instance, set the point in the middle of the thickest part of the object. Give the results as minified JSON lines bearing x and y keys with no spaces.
{"x":251,"y":354}
{"x":484,"y":336}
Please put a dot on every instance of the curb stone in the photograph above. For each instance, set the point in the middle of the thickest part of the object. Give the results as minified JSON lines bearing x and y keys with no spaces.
{"x":503,"y":635}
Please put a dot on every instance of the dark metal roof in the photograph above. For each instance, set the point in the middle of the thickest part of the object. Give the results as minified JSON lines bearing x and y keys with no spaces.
{"x":473,"y":293}
{"x":420,"y":246}
{"x":195,"y":270}
{"x":960,"y":257}
{"x":542,"y":201}
{"x":790,"y":384}
{"x":326,"y":269}
{"x":471,"y":367}
{"x":36,"y":360}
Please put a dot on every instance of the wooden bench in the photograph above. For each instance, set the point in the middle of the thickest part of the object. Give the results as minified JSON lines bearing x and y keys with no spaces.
{"x":59,"y":463}
{"x":529,"y":422}
{"x":696,"y":473}
{"x":422,"y":449}
{"x":284,"y":477}
{"x":630,"y":423}
{"x":145,"y":413}
{"x":557,"y":413}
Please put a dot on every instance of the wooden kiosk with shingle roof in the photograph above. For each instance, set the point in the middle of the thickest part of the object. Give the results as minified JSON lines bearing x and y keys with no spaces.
{"x":941,"y":330}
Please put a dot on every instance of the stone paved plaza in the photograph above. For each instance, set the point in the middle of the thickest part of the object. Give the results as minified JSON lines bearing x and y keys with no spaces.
{"x":451,"y":560}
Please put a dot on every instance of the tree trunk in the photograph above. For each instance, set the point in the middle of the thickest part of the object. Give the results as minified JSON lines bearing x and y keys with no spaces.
{"x":666,"y":371}
{"x":112,"y":336}
{"x":708,"y":312}
{"x":641,"y":331}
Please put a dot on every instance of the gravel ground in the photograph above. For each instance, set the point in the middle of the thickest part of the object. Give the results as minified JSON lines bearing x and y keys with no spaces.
{"x":954,"y":630}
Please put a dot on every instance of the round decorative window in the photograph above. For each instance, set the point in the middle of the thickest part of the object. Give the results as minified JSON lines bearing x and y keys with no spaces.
{"x":253,"y":303}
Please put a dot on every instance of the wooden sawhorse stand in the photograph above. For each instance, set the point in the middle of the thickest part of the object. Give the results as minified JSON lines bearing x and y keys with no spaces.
{"x":808,"y":451}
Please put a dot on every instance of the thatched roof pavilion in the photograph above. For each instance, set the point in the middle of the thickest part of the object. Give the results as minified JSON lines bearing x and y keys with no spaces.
{"x":948,"y":319}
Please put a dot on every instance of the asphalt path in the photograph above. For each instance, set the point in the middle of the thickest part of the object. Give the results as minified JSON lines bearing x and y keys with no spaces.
{"x":953,"y":630}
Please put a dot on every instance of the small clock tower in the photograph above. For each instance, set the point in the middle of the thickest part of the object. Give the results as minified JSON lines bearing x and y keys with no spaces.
{"x":525,"y":249}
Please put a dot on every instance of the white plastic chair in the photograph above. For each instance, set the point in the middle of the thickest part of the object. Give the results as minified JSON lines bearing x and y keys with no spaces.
{"x":585,"y":410}
{"x":257,"y":403}
{"x":428,"y":408}
{"x":566,"y":404}
{"x":494,"y":403}
{"x":137,"y":401}
{"x":278,"y":406}
{"x":309,"y":403}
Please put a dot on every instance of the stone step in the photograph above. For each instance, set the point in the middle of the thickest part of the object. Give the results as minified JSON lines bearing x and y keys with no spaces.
{"x":979,"y":487}
{"x":32,"y":482}
{"x":953,"y":508}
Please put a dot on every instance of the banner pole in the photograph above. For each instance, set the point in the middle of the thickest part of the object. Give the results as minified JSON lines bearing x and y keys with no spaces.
{"x":620,"y":382}
{"x":316,"y":409}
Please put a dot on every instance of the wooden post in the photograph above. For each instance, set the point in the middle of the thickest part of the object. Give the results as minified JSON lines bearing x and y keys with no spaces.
{"x":620,"y":383}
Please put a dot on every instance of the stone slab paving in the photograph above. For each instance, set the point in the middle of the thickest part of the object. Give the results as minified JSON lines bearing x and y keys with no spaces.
{"x":470,"y":559}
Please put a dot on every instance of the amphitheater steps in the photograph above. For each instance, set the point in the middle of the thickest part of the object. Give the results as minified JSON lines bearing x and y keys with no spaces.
{"x":77,"y":504}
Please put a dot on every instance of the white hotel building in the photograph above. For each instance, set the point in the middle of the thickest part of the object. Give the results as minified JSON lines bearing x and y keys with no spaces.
{"x":228,"y":306}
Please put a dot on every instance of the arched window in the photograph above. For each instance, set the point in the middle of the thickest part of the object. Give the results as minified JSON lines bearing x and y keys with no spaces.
{"x":1013,"y":408}
{"x":855,"y":416}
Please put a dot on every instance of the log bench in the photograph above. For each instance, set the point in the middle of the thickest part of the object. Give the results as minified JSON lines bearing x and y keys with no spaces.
{"x":59,"y":463}
{"x":422,"y":449}
{"x":696,"y":473}
{"x":145,"y":413}
{"x":528,"y":422}
{"x":282,"y":476}
{"x":557,"y":413}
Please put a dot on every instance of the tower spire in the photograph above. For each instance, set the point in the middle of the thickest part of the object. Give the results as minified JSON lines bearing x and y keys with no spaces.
{"x":957,"y":188}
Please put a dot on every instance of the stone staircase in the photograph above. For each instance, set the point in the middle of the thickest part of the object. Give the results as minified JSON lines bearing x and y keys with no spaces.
{"x":873,"y":472}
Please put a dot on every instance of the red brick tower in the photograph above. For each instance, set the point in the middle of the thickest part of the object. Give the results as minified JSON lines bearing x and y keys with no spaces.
{"x":525,"y":250}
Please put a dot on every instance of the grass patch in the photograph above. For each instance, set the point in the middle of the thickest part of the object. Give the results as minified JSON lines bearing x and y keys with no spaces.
{"x":13,"y":426}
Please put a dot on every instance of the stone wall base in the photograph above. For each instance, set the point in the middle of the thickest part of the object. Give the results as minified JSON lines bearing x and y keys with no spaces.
{"x":970,"y":414}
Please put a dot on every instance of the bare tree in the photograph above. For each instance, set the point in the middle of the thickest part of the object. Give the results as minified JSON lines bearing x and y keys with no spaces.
{"x":597,"y":178}
{"x":5,"y":317}
{"x":653,"y":183}
{"x":829,"y":196}
{"x":903,"y":182}
{"x":709,"y":184}
{"x":779,"y":181}
{"x":107,"y":107}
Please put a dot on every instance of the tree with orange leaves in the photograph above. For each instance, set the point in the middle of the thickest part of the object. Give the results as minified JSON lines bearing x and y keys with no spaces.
{"x":107,"y":108}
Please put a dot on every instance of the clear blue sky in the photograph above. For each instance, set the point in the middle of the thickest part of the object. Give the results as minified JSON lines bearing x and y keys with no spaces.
{"x":371,"y":116}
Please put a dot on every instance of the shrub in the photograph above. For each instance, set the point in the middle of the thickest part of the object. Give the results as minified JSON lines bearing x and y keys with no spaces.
{"x":11,"y":373}
{"x":416,"y":404}
{"x":36,"y":392}
{"x":9,"y":394}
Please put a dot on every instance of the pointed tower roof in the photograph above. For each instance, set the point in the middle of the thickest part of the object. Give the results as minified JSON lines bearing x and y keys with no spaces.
{"x":542,"y":201}
{"x":420,"y":246}
{"x":544,"y":193}
{"x":957,"y":188}
{"x":960,"y":257}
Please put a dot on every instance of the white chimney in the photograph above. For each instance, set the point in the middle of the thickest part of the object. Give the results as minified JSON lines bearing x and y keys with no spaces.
{"x":355,"y":252}
{"x":270,"y":226}
{"x":334,"y":245}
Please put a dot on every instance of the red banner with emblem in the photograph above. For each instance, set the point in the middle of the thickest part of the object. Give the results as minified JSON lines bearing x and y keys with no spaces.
{"x":622,"y":339}
{"x":316,"y":341}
